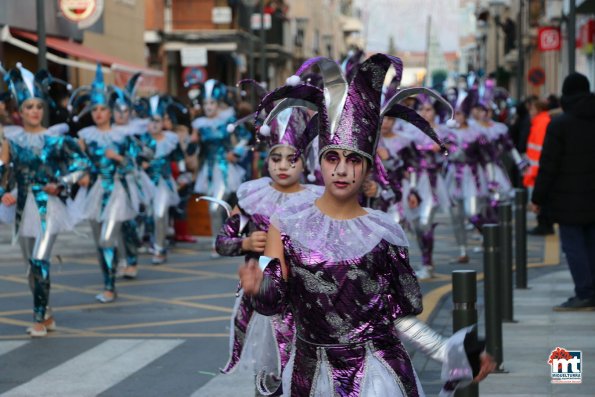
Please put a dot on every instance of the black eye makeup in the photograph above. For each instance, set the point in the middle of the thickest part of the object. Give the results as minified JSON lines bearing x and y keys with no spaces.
{"x":354,"y":158}
{"x":37,"y":106}
{"x":331,"y":156}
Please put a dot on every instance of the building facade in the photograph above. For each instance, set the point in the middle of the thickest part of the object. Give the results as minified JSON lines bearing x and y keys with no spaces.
{"x":114,"y":38}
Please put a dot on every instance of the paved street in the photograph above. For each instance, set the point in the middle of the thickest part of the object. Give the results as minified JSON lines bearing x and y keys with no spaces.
{"x":168,"y":332}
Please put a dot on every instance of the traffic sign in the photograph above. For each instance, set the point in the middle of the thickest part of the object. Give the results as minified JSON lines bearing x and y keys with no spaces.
{"x":536,"y":76}
{"x":194,"y":74}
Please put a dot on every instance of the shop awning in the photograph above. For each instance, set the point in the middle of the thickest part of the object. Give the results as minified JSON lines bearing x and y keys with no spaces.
{"x":76,"y":50}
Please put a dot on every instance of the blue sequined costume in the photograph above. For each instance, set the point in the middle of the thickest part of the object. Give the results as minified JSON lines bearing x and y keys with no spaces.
{"x":218,"y":177}
{"x":164,"y":189}
{"x":39,"y":159}
{"x":107,"y":202}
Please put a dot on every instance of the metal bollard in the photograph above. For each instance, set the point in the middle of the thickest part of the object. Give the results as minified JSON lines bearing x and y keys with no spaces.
{"x":464,"y":313}
{"x":492,"y":284}
{"x":505,"y":221}
{"x":520,"y":234}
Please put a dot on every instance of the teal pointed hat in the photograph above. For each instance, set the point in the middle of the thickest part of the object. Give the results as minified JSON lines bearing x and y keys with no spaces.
{"x":24,"y":85}
{"x":96,"y":94}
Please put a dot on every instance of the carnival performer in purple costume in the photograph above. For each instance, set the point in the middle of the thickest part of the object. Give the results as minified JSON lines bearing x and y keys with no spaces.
{"x":495,"y":144}
{"x":427,"y":191}
{"x":465,"y":180}
{"x":258,"y":343}
{"x":344,"y":270}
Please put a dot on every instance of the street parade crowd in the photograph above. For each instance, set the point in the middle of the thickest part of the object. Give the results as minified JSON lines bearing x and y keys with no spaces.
{"x":316,"y":183}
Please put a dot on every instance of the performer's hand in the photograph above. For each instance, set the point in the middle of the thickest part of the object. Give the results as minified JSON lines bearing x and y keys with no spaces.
{"x":145,"y":165}
{"x":255,"y":242}
{"x":8,"y":199}
{"x":250,"y":277}
{"x":84,"y":181}
{"x":370,"y":189}
{"x":382,"y":153}
{"x":231,"y":157}
{"x":534,"y":208}
{"x":413,"y":201}
{"x":113,"y":155}
{"x":52,"y":189}
{"x":487,"y":365}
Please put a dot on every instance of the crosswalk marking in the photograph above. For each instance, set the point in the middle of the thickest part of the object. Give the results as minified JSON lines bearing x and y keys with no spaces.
{"x":7,"y":346}
{"x":97,"y":369}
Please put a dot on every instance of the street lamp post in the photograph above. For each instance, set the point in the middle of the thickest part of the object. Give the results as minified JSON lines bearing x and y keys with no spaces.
{"x":250,"y":4}
{"x":263,"y":74}
{"x":520,"y":74}
{"x":41,"y":47}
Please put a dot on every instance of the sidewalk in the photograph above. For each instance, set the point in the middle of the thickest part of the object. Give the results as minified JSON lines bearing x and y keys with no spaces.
{"x":528,"y":343}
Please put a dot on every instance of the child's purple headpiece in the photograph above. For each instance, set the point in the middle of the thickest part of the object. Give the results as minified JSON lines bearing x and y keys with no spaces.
{"x":288,"y":126}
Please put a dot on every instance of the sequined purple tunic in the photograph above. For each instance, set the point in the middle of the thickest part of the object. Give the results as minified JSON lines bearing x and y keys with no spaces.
{"x":257,"y":199}
{"x":349,"y":280}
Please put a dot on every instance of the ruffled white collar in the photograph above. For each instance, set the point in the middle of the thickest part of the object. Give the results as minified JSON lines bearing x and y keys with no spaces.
{"x":223,"y":118}
{"x":18,"y":136}
{"x":102,"y":138}
{"x":333,"y":239}
{"x":134,"y":127}
{"x":166,"y":145}
{"x":259,"y":197}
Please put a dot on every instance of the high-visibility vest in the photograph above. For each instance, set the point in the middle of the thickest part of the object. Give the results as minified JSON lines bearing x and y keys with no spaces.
{"x":534,"y":144}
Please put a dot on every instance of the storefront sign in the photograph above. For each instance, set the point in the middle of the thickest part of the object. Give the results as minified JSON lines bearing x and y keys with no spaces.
{"x":83,"y":12}
{"x":221,"y":15}
{"x":549,"y":39}
{"x":194,"y":56}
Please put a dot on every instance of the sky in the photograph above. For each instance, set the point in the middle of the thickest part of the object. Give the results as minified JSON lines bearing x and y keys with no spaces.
{"x":406,"y":21}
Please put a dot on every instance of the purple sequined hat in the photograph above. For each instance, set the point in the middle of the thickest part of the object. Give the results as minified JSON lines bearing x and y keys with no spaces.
{"x":287,"y":127}
{"x":349,"y":114}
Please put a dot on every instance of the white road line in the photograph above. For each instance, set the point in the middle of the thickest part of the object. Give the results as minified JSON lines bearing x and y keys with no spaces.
{"x":7,"y":346}
{"x":97,"y":369}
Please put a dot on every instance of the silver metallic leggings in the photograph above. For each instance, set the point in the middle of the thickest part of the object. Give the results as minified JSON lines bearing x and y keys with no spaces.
{"x":37,"y":251}
{"x":161,"y":224}
{"x":106,"y":235}
{"x":462,"y":209}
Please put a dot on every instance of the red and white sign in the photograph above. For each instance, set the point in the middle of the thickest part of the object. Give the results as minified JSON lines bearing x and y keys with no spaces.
{"x":586,"y":36}
{"x":256,"y":21}
{"x":549,"y":39}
